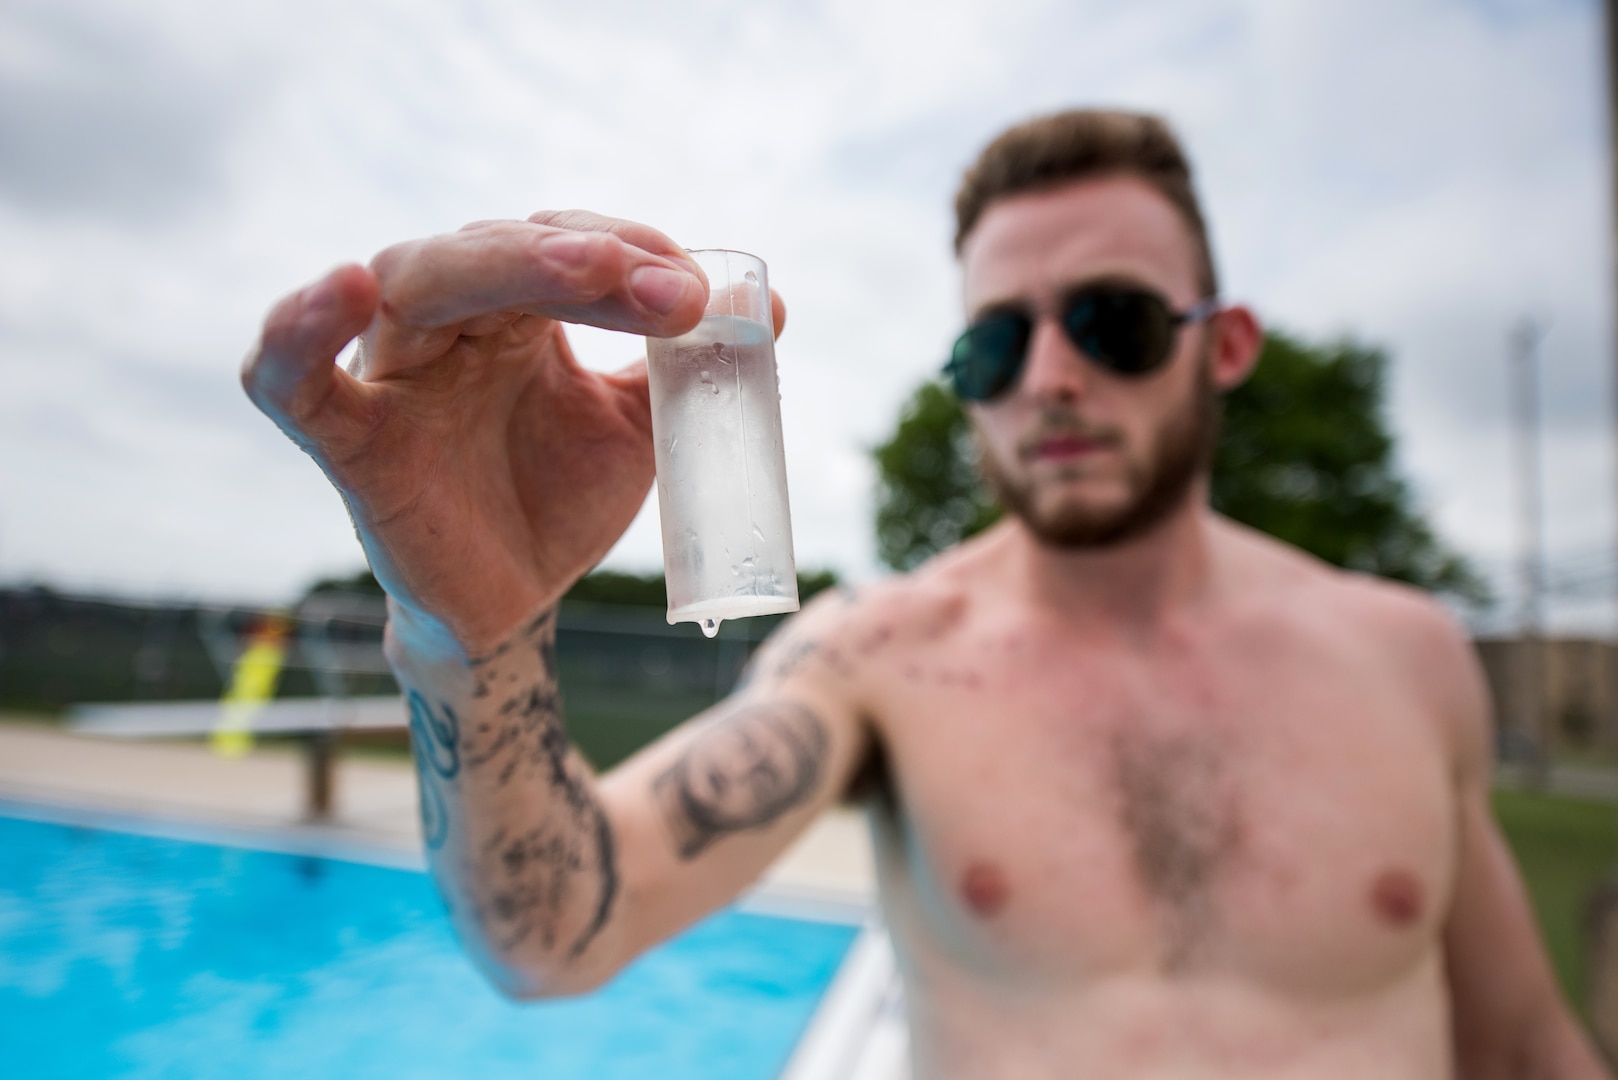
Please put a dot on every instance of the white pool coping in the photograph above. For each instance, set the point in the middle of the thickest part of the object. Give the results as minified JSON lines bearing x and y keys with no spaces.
{"x":859,"y":1030}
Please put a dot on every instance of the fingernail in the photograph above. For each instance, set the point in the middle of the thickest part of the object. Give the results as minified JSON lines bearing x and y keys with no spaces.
{"x":658,"y":287}
{"x":569,"y":249}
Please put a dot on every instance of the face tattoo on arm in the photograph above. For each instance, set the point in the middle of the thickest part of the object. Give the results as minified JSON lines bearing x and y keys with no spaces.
{"x":743,"y":772}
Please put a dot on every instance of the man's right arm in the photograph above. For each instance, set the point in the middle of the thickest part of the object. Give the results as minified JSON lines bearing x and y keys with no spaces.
{"x":556,"y":878}
{"x":485,"y":470}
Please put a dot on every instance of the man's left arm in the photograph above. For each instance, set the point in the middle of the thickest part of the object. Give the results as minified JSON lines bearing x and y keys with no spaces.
{"x":1509,"y":1018}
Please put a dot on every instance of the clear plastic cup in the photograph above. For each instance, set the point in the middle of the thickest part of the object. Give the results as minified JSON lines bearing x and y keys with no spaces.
{"x":721,"y":472}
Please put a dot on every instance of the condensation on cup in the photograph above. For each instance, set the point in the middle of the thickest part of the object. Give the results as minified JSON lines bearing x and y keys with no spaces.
{"x":721,"y":471}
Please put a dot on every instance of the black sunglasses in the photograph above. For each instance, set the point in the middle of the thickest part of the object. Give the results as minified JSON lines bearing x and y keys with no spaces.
{"x":1128,"y":331}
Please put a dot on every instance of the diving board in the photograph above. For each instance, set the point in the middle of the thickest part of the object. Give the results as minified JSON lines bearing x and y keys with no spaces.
{"x":284,"y":716}
{"x":315,"y":721}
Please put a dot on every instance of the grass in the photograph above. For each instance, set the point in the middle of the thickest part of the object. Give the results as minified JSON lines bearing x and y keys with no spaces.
{"x":1565,"y":847}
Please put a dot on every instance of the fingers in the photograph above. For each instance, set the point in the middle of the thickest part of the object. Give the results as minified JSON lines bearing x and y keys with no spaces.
{"x":778,"y":312}
{"x":600,"y":271}
{"x":642,"y":236}
{"x":293,"y":376}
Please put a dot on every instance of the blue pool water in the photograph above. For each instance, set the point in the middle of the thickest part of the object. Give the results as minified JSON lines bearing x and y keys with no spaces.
{"x":125,"y":955}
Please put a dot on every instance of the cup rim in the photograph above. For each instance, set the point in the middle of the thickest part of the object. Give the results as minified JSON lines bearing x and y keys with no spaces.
{"x":722,"y":251}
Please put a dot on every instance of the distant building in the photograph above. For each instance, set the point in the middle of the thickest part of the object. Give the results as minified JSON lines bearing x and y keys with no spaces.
{"x":1559,"y":693}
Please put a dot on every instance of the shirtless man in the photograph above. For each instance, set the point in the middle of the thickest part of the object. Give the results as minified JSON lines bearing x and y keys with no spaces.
{"x":1154,"y":795}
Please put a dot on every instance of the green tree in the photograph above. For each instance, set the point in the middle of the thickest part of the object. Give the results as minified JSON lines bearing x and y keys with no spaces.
{"x":929,"y":496}
{"x":1304,"y":455}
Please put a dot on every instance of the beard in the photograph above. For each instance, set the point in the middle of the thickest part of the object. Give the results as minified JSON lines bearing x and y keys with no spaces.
{"x":1182,"y":450}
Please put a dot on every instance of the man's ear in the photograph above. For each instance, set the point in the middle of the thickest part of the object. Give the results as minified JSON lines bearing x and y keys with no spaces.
{"x":1237,"y":340}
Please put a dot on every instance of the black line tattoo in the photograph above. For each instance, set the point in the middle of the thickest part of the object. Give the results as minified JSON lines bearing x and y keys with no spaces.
{"x":432,"y":743}
{"x":434,"y":740}
{"x":434,"y":814}
{"x":743,"y":772}
{"x":539,"y":622}
{"x":794,"y":656}
{"x":556,"y":881}
{"x":533,"y":878}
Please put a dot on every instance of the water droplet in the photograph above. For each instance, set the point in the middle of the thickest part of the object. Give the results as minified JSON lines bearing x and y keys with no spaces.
{"x":750,"y":277}
{"x":758,"y":534}
{"x":719,"y":353}
{"x":710,"y":627}
{"x":674,"y":440}
{"x":748,"y":563}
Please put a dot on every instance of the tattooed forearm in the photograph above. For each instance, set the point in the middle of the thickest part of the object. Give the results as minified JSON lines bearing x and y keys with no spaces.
{"x":433,"y":737}
{"x":743,"y":772}
{"x":532,"y":875}
{"x":546,"y":871}
{"x":432,"y":742}
{"x":434,"y":814}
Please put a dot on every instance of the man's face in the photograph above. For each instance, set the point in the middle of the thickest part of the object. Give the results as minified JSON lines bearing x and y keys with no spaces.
{"x":1085,"y":457}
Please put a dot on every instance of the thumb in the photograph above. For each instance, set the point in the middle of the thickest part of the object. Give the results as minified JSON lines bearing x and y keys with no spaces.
{"x":631,"y":383}
{"x":292,"y":374}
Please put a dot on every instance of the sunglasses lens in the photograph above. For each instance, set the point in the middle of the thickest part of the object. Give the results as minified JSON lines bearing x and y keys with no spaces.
{"x":1127,"y":331}
{"x":987,"y":358}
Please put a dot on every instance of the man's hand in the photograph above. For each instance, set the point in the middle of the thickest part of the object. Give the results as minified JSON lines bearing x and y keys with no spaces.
{"x":484,"y":469}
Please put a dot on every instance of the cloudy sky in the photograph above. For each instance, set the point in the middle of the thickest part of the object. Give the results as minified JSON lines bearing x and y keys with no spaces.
{"x":1420,"y":174}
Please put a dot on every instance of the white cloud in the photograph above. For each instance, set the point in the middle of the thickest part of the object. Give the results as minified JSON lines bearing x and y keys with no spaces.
{"x":1417,"y":173}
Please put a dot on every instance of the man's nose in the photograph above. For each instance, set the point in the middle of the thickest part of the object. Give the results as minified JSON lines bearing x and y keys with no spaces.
{"x":1055,"y":368}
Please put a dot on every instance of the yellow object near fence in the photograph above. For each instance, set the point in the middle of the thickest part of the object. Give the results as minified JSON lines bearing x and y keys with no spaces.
{"x":252,"y":683}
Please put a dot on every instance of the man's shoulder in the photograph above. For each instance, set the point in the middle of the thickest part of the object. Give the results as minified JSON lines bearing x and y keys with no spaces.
{"x":921,"y":601}
{"x":1290,"y":578}
{"x":1401,"y":632}
{"x":842,"y":632}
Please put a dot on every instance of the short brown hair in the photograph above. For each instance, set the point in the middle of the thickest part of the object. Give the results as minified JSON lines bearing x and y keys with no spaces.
{"x":1083,"y":144}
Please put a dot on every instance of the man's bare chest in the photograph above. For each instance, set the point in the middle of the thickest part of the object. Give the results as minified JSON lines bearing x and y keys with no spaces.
{"x":1080,"y":816}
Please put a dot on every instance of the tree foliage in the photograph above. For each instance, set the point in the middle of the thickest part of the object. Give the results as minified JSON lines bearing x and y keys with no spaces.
{"x":929,"y":496}
{"x":1304,"y":455}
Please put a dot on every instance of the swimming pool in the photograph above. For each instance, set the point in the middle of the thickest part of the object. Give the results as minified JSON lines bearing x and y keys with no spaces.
{"x":126,"y":954}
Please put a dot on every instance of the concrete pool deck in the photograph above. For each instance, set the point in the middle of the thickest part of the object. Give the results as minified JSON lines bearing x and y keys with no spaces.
{"x":375,"y":798}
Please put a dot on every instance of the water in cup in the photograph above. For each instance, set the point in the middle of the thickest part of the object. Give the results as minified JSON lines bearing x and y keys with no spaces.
{"x":721,"y":474}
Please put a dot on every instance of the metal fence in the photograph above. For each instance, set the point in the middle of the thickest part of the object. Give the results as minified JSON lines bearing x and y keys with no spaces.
{"x":627,"y":675}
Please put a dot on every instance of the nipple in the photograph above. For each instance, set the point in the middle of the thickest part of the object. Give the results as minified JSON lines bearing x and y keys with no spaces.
{"x":1396,"y":897}
{"x":984,"y":889}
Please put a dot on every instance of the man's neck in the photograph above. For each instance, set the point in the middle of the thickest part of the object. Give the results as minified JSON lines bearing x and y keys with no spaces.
{"x":1133,"y":585}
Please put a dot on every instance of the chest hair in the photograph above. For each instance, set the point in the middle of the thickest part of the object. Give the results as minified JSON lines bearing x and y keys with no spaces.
{"x":1180,"y":814}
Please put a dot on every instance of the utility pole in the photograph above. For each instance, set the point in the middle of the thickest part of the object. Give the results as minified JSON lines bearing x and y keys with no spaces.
{"x":1610,"y":38}
{"x":1601,"y":938}
{"x":1529,"y":706}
